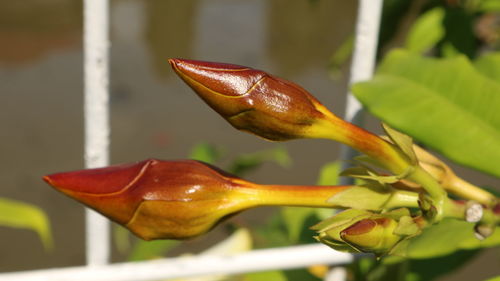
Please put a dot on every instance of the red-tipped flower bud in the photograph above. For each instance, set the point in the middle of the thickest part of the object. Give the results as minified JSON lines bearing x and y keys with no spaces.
{"x":255,"y":101}
{"x":176,"y":199}
{"x":153,"y":198}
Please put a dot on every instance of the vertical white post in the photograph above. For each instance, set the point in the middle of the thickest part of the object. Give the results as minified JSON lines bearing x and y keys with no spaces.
{"x":363,"y":61}
{"x":96,"y":103}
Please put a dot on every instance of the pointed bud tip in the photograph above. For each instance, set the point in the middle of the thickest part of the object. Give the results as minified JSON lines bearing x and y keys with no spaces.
{"x":96,"y":181}
{"x":193,"y":64}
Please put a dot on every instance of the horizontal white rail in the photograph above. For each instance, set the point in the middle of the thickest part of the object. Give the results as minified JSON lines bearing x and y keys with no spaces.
{"x":183,"y":267}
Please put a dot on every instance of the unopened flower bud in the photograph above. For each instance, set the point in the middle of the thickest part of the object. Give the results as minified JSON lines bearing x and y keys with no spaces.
{"x":255,"y":101}
{"x":276,"y":109}
{"x":375,"y":235}
{"x":359,"y":231}
{"x":158,"y":199}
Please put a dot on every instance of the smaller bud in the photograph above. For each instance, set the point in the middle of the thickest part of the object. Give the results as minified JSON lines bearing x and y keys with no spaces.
{"x":375,"y":235}
{"x":359,"y":231}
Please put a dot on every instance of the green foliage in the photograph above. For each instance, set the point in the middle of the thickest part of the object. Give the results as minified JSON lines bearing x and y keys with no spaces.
{"x":459,"y":25}
{"x":494,"y":279}
{"x":329,"y":174}
{"x":265,"y":276}
{"x":426,"y":32}
{"x":248,"y":162}
{"x":489,"y":6}
{"x":146,"y":250}
{"x":489,"y":65}
{"x":448,"y":236}
{"x":397,"y":269}
{"x":444,"y":103}
{"x":206,"y":152}
{"x":18,"y":214}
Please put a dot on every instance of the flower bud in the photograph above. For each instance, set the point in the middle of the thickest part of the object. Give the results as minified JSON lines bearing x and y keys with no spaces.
{"x":375,"y":235}
{"x":255,"y":101}
{"x":276,"y":109}
{"x":152,"y":198}
{"x":158,"y":199}
{"x":359,"y":231}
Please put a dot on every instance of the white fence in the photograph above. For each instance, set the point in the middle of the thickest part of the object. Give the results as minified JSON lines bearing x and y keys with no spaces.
{"x":96,"y":37}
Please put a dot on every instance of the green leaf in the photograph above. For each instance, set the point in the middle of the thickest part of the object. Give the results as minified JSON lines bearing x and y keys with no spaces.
{"x":362,"y":197}
{"x":146,"y":250}
{"x":497,"y":278}
{"x":446,"y":237}
{"x":294,"y":219}
{"x":206,"y":152}
{"x":18,"y":214}
{"x":266,"y":276}
{"x":329,"y":174}
{"x":489,"y":65}
{"x":121,"y":239}
{"x":248,"y":162}
{"x":489,"y":6}
{"x":341,"y":55}
{"x":396,"y":268}
{"x":426,"y":32}
{"x":459,"y":35}
{"x":341,"y":218}
{"x":404,"y":142}
{"x":444,"y":103}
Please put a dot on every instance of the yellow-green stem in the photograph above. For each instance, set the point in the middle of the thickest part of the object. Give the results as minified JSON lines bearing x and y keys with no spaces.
{"x":467,"y":190}
{"x":296,"y":195}
{"x":388,"y":156}
{"x":402,"y":198}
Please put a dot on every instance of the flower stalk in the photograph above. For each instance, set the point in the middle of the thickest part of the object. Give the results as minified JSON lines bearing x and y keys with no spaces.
{"x":276,"y":109}
{"x":158,"y":199}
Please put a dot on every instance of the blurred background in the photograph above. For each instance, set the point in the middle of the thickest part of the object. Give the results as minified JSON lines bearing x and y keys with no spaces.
{"x":153,"y":114}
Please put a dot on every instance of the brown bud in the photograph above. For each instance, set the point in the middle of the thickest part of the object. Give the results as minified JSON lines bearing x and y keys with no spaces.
{"x":255,"y":101}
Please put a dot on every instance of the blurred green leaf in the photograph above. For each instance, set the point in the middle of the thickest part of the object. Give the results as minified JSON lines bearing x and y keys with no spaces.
{"x":430,"y":269}
{"x":426,"y":32}
{"x":459,"y":26}
{"x":444,"y":103}
{"x":489,"y":6}
{"x":341,"y":55}
{"x":266,"y":276}
{"x":121,"y":238}
{"x":18,"y":214}
{"x":205,"y":152}
{"x":245,"y":163}
{"x":497,"y":278}
{"x":146,"y":250}
{"x":294,"y":219}
{"x":489,"y":65}
{"x":400,"y":269}
{"x":446,"y":237}
{"x":329,"y":174}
